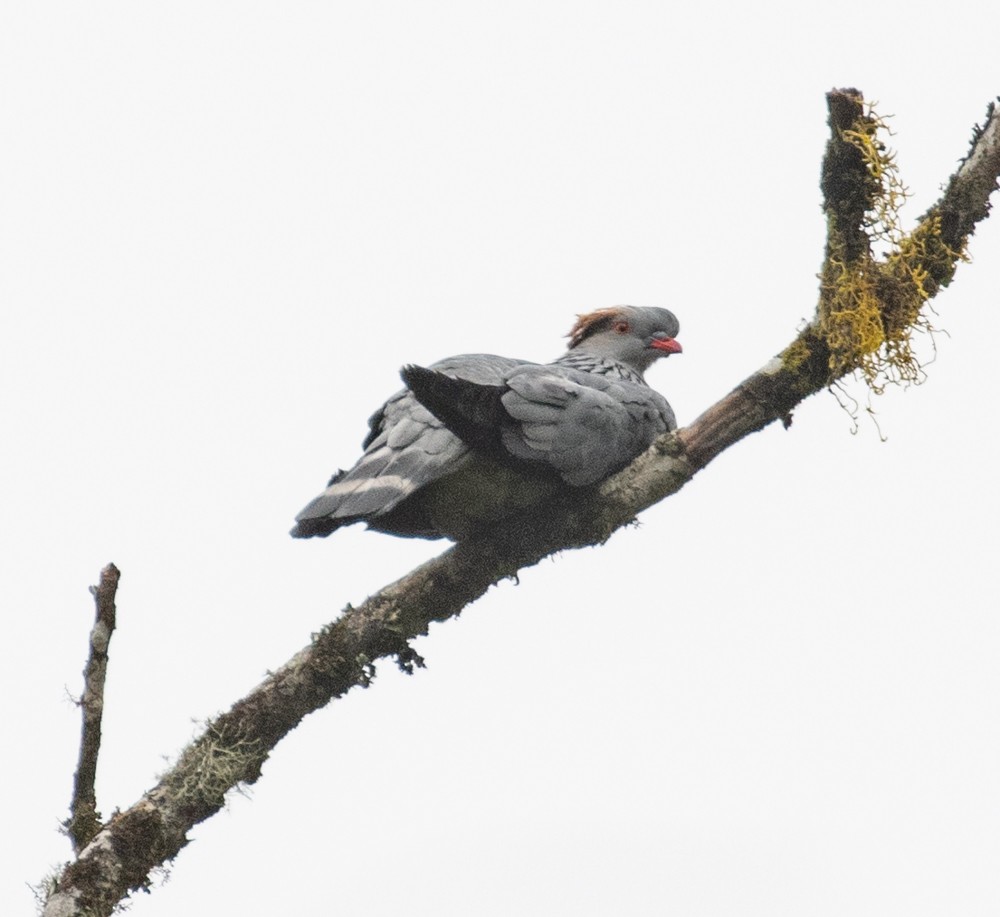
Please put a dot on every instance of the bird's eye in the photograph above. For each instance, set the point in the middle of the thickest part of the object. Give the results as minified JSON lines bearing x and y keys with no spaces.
{"x":621,"y":327}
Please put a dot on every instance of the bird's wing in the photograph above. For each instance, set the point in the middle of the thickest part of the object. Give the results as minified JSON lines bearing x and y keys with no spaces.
{"x":584,"y":426}
{"x":581,"y":426}
{"x":406,"y":448}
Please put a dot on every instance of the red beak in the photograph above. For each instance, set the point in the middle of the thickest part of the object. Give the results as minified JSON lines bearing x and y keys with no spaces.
{"x":667,"y":345}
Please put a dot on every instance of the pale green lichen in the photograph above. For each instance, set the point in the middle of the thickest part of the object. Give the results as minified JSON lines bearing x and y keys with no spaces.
{"x":216,"y":762}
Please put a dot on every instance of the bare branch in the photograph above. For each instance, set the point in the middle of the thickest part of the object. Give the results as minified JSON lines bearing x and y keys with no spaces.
{"x":966,"y":200}
{"x":85,"y":820}
{"x":236,"y":744}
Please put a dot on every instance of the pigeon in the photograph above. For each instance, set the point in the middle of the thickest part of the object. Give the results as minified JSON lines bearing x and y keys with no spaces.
{"x":477,"y":438}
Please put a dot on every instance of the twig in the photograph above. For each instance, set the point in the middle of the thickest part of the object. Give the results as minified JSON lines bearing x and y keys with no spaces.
{"x":85,"y":820}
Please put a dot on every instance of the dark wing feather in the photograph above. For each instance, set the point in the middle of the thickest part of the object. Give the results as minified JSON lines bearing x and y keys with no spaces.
{"x":473,"y":412}
{"x":579,"y":425}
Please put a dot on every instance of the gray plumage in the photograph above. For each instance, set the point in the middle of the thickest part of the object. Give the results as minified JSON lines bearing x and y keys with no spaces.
{"x":477,"y":437}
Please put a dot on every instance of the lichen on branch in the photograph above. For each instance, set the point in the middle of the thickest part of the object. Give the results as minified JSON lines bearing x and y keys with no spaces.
{"x":871,"y":304}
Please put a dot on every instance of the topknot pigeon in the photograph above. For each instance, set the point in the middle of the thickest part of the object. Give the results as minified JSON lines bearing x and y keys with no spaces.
{"x":476,"y":438}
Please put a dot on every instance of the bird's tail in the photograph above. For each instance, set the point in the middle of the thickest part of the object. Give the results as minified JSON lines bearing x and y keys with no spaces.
{"x":373,"y":487}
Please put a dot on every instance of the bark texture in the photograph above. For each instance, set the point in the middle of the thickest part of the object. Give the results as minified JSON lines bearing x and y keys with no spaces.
{"x":85,"y":821}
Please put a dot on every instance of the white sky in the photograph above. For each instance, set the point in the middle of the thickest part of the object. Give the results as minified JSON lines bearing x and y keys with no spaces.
{"x":223,"y":228}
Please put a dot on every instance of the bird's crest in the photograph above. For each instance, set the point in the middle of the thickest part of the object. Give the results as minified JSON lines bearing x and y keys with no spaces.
{"x":588,"y":323}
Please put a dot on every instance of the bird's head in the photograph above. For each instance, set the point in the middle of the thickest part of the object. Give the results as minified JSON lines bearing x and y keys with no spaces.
{"x":633,"y":335}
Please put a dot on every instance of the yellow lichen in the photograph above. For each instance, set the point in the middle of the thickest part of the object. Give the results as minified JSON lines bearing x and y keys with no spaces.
{"x":882,"y":220}
{"x":872,"y":303}
{"x":851,"y":319}
{"x":795,"y":354}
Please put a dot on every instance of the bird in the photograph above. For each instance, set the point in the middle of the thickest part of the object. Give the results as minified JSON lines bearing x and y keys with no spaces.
{"x":477,"y":438}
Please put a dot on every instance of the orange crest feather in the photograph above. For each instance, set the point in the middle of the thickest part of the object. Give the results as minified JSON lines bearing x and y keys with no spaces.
{"x":589,"y":322}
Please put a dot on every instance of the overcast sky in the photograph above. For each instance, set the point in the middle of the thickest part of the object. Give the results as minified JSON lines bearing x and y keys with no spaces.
{"x":224,"y":227}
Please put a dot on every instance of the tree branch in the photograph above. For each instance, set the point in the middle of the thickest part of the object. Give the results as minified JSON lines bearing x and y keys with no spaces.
{"x":85,"y":820}
{"x":235,"y":745}
{"x":966,"y":200}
